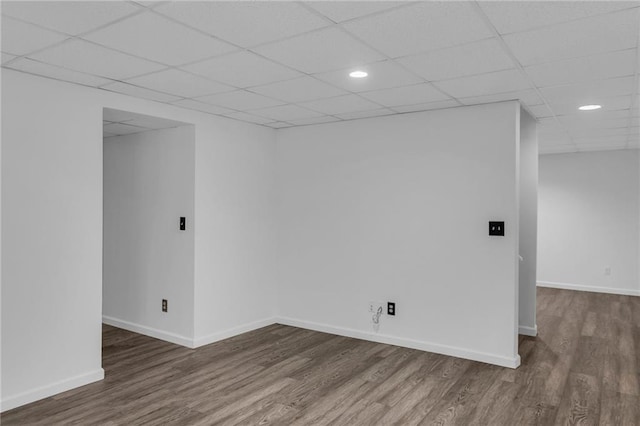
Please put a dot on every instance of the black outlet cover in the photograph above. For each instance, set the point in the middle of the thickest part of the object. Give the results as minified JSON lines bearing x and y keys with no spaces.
{"x":496,"y":228}
{"x":391,"y":308}
{"x":183,"y":223}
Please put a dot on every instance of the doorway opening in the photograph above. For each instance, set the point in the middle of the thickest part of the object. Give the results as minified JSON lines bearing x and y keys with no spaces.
{"x":148,"y":229}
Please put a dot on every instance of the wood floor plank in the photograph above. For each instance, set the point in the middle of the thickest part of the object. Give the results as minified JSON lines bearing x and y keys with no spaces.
{"x":619,"y":409}
{"x":581,"y":404}
{"x":582,"y":368}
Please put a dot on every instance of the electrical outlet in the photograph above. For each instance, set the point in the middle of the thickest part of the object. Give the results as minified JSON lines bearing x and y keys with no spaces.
{"x":496,"y":228}
{"x":164,"y":305}
{"x":391,"y":308}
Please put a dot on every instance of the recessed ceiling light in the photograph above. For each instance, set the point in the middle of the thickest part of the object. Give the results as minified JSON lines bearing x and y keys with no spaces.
{"x":589,"y":107}
{"x":358,"y":74}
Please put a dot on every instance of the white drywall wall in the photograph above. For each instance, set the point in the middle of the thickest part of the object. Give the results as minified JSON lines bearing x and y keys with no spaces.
{"x":588,"y":221}
{"x":394,"y":208}
{"x":528,"y":223}
{"x":149,"y":181}
{"x":52,"y":229}
{"x":397,"y":209}
{"x":51,"y":240}
{"x":235,"y":263}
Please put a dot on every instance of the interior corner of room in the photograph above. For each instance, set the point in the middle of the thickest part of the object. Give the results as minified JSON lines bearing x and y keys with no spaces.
{"x":430,"y":226}
{"x":302,"y":226}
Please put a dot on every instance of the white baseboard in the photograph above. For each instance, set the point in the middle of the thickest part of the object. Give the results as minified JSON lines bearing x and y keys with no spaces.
{"x":221,"y":335}
{"x":408,"y":343}
{"x":528,"y":331}
{"x":50,"y":390}
{"x":149,"y":331}
{"x":594,"y":289}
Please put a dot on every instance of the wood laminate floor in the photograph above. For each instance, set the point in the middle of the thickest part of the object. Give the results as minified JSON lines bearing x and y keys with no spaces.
{"x":583,"y":368}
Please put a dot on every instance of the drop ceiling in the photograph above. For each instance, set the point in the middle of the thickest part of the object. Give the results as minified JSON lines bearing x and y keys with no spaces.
{"x":284,"y":64}
{"x":120,"y":123}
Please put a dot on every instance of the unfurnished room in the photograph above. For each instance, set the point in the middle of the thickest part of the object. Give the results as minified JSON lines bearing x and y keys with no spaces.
{"x":320,"y":213}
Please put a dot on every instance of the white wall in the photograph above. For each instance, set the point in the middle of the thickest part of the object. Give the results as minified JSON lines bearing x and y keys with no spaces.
{"x":588,"y":221}
{"x":149,"y":181}
{"x":236,"y":231}
{"x":397,"y":209}
{"x":51,"y":241}
{"x":528,"y":223}
{"x":52,"y":228}
{"x":393,"y":208}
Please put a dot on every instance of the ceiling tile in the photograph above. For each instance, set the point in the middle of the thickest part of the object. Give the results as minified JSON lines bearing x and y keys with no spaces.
{"x":459,"y":61}
{"x":319,"y":51}
{"x":6,"y":57}
{"x":591,"y":36}
{"x":138,"y":120}
{"x":52,"y":71}
{"x":546,"y":120}
{"x":314,"y":120}
{"x":201,"y":106}
{"x":19,"y":38}
{"x":278,"y":125}
{"x":115,"y":115}
{"x":562,"y":107}
{"x":150,"y":4}
{"x":340,"y":105}
{"x":554,"y":139}
{"x":242,"y":69}
{"x":421,"y":27}
{"x":605,"y":143}
{"x":86,"y":57}
{"x":582,"y":122}
{"x":528,"y":97}
{"x":240,"y":100}
{"x":551,"y":128}
{"x":180,"y":83}
{"x":285,"y":113}
{"x":510,"y":17}
{"x":340,"y":11}
{"x":155,"y":37}
{"x":139,"y":92}
{"x":591,"y":140}
{"x":540,"y":111}
{"x":382,"y":75}
{"x":576,"y":70}
{"x":299,"y":90}
{"x":427,"y":106}
{"x":406,"y":95}
{"x":485,"y":84}
{"x":592,"y":92}
{"x":602,"y":147}
{"x":245,"y":23}
{"x":564,"y":149}
{"x":592,"y":116}
{"x":70,"y":17}
{"x":365,"y":114}
{"x":599,"y":133}
{"x":122,"y":129}
{"x":150,"y":122}
{"x":250,"y":118}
